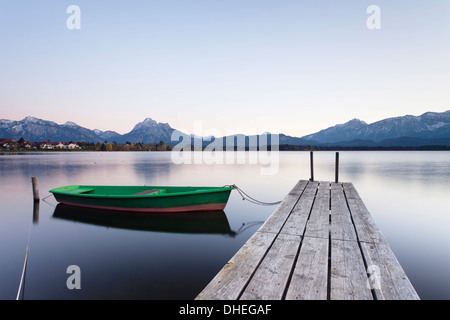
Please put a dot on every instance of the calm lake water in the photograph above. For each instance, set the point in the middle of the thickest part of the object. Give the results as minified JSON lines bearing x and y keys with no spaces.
{"x":168,"y":257}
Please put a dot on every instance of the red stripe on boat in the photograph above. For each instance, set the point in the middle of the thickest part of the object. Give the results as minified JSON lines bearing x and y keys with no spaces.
{"x":203,"y":207}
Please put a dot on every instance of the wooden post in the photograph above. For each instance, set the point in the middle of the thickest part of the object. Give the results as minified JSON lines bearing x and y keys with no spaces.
{"x":36,"y":212}
{"x":34,"y":182}
{"x":312,"y":165}
{"x":336,"y":173}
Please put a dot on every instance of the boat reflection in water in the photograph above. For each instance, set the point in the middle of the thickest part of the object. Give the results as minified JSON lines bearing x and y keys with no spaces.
{"x":202,"y":222}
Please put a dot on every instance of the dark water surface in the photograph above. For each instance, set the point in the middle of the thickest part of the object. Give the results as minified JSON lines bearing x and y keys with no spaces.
{"x":175,"y":257}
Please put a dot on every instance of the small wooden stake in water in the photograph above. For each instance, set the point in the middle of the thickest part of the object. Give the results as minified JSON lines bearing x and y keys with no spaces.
{"x":34,"y":181}
{"x":337,"y":168}
{"x":312,"y":165}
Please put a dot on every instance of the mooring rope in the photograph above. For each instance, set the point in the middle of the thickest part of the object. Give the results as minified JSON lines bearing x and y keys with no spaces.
{"x":51,"y":204}
{"x":22,"y":278}
{"x":245,"y":196}
{"x":43,"y":199}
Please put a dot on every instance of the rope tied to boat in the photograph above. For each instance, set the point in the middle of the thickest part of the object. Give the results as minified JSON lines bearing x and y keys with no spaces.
{"x":245,"y":196}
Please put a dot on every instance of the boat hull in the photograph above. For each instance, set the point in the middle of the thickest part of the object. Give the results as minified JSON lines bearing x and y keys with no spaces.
{"x":167,"y":199}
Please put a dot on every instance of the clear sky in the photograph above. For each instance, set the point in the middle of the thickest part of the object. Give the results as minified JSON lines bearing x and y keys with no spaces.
{"x":244,"y":66}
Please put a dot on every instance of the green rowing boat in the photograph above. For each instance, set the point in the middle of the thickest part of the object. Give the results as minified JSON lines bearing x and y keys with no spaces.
{"x":144,"y":198}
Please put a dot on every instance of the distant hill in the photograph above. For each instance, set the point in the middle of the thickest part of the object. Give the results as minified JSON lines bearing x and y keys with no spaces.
{"x":428,"y":129}
{"x":148,"y":131}
{"x":35,"y":129}
{"x":428,"y":126}
{"x":107,"y":135}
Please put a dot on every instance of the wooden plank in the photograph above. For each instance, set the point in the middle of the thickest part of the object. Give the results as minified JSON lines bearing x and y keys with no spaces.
{"x":231,"y":280}
{"x":275,"y":222}
{"x":341,"y":224}
{"x":269,"y":281}
{"x":310,"y":276}
{"x":296,"y":222}
{"x":387,"y":277}
{"x":318,"y":223}
{"x":391,"y":282}
{"x":365,"y":226}
{"x":350,"y":191}
{"x":348,"y":273}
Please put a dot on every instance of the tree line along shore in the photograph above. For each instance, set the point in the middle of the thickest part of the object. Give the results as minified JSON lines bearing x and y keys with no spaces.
{"x":26,"y":145}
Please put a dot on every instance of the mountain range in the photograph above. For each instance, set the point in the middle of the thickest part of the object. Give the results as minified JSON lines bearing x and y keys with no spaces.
{"x":430,"y":128}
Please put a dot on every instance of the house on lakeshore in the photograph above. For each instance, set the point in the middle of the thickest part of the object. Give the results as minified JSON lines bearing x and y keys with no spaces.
{"x":46,"y":145}
{"x":59,"y":145}
{"x":73,"y":146}
{"x":7,"y":143}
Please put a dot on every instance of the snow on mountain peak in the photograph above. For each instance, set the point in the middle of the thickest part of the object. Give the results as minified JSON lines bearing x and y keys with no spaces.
{"x":71,"y":124}
{"x":148,"y":122}
{"x":31,"y":119}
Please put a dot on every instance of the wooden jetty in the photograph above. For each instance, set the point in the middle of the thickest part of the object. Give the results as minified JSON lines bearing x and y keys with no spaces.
{"x":321,"y":243}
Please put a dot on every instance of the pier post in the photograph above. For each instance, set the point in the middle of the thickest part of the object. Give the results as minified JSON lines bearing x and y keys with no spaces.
{"x":312,"y":165}
{"x":336,"y":173}
{"x":34,"y":182}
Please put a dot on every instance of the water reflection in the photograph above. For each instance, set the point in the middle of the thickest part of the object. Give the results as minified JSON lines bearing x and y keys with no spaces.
{"x":406,"y":193}
{"x":397,"y":166}
{"x":205,"y":222}
{"x":36,"y":212}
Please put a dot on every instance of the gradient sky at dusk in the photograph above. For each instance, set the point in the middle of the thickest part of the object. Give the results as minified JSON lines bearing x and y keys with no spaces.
{"x":244,"y":66}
